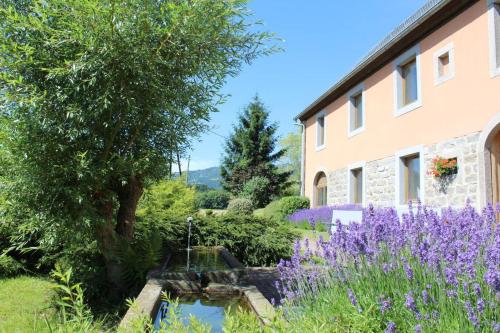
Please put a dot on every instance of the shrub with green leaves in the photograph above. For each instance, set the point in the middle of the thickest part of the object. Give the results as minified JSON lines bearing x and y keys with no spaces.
{"x":9,"y":266}
{"x":167,"y":198}
{"x":213,"y":199}
{"x":255,"y":241}
{"x":289,"y":205}
{"x":240,"y":206}
{"x":257,"y":191}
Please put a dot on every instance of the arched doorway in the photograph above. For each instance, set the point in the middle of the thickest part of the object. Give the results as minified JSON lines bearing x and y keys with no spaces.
{"x":320,"y":190}
{"x":490,"y":162}
{"x":494,"y":149}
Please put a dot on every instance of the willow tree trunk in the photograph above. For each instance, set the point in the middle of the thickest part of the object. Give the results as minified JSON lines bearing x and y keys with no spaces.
{"x":112,"y":233}
{"x":128,"y":198}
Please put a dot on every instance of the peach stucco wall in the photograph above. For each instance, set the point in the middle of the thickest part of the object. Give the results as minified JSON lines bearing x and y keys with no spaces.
{"x":455,"y":108}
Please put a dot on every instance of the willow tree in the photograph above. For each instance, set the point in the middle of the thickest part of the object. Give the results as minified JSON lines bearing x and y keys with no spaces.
{"x":100,"y":94}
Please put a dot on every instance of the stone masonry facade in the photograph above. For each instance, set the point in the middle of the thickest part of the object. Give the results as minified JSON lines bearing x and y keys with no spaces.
{"x":380,"y":177}
{"x":454,"y":190}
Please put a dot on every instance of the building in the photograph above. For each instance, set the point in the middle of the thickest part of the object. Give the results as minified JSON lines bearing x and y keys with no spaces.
{"x":431,"y":88}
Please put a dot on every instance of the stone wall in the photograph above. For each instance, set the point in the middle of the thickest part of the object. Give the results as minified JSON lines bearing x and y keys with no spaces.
{"x":337,"y":187}
{"x":453,"y":190}
{"x":380,"y":182}
{"x":380,"y":177}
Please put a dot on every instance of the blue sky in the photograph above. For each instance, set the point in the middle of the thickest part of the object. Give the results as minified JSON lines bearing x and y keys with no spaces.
{"x":323,"y":40}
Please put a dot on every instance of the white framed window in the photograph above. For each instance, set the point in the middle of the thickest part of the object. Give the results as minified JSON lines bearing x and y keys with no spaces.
{"x":410,"y":175}
{"x":444,"y":64}
{"x":356,"y":183}
{"x":407,"y":83}
{"x":494,"y":31}
{"x":320,"y":130}
{"x":356,"y":110}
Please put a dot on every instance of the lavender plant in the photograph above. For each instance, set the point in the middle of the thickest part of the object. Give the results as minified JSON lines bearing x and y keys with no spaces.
{"x":423,"y":272}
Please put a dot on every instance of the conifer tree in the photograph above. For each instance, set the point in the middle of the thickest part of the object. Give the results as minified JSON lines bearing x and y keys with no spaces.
{"x":251,"y":152}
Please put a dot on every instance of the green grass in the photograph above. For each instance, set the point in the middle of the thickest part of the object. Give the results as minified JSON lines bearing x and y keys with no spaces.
{"x":272,"y":210}
{"x":313,"y":235}
{"x":25,"y":304}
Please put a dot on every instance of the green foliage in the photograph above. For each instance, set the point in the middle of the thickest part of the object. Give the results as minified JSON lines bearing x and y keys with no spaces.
{"x":240,"y":206}
{"x":305,"y":225}
{"x":291,"y":160}
{"x":167,"y":198}
{"x":289,"y":205}
{"x":255,"y":241}
{"x":139,"y":257}
{"x":99,"y":97}
{"x":213,"y":199}
{"x":279,"y":209}
{"x":251,"y":151}
{"x":9,"y":266}
{"x":75,"y":316}
{"x":164,"y":209}
{"x":271,"y":211}
{"x":257,"y":191}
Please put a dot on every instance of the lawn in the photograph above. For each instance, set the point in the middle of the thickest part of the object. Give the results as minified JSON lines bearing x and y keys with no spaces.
{"x":25,"y":304}
{"x":313,"y":235}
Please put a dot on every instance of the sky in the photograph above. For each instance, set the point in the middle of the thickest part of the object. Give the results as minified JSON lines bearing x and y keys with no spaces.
{"x":322,"y":41}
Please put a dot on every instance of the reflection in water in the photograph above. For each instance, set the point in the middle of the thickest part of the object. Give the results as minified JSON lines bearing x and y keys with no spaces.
{"x":197,"y":260}
{"x":207,"y":310}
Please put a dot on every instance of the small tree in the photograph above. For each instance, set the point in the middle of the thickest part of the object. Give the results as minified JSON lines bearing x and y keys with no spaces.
{"x":251,"y":152}
{"x":291,"y":161}
{"x":101,"y":95}
{"x":256,"y":190}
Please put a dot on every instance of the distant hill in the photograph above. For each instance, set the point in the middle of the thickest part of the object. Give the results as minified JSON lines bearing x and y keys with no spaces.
{"x":209,"y":177}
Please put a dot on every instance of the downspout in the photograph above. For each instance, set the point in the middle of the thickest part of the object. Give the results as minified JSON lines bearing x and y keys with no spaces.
{"x":302,"y":159}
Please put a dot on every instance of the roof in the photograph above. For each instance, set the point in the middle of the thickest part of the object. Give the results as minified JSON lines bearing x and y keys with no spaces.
{"x":427,"y":19}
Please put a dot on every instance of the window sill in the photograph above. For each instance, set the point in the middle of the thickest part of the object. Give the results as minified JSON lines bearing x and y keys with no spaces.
{"x":495,"y":72}
{"x":319,"y":148}
{"x":443,"y":79}
{"x":407,"y":108}
{"x":355,"y":132}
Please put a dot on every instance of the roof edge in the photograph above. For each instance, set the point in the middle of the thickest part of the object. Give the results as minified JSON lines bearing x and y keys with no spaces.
{"x":400,"y":35}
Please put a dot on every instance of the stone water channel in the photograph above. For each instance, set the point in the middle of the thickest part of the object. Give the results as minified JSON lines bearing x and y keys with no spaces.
{"x":206,"y":280}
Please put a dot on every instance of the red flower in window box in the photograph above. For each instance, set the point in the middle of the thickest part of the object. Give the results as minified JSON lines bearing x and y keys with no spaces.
{"x":442,"y":167}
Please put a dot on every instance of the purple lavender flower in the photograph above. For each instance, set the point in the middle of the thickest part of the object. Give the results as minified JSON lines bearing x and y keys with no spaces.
{"x":470,"y":313}
{"x":480,"y":305}
{"x":477,"y":289}
{"x":391,"y":327}
{"x":352,"y":297}
{"x":457,"y":250}
{"x":410,"y":302}
{"x":425,"y":297}
{"x":418,"y":328}
{"x":385,"y":305}
{"x":408,"y":269}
